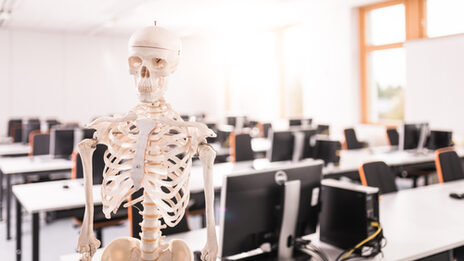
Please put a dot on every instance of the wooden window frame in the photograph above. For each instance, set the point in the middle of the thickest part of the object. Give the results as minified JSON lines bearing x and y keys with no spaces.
{"x":415,"y":11}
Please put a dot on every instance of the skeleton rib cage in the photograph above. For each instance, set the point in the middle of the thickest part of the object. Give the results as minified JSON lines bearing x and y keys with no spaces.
{"x":167,"y":164}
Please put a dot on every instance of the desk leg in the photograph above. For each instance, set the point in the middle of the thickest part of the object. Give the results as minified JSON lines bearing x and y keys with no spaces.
{"x":1,"y":194}
{"x":8,"y":206}
{"x":19,"y":223}
{"x":35,"y":237}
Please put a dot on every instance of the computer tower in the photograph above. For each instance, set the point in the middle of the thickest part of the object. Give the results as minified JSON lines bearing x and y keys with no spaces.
{"x":347,"y":212}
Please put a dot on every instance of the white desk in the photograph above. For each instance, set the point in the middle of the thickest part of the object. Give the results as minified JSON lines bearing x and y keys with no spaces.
{"x":13,"y":149}
{"x":6,"y":140}
{"x":351,"y":160}
{"x":220,"y":170}
{"x":26,"y":165}
{"x":47,"y":196}
{"x":417,"y":223}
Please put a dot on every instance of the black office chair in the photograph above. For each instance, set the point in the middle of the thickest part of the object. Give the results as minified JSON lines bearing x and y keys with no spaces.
{"x":17,"y":133}
{"x":393,"y":137}
{"x":40,"y":143}
{"x":240,"y":147}
{"x":12,"y":124}
{"x":327,"y":150}
{"x":378,"y":174}
{"x":449,"y":165}
{"x":98,"y":166}
{"x":352,"y":141}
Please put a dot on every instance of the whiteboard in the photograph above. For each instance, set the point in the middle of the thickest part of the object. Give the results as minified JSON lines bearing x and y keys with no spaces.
{"x":435,"y":82}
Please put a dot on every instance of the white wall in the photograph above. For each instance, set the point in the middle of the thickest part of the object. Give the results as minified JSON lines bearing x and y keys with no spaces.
{"x":77,"y":77}
{"x":331,"y":89}
{"x":435,"y":83}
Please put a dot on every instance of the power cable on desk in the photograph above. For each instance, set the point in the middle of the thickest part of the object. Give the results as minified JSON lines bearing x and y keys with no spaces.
{"x":375,"y":249}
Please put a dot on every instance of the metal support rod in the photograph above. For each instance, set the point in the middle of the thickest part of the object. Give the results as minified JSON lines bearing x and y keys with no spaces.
{"x":8,"y":207}
{"x":19,"y":222}
{"x":35,"y":237}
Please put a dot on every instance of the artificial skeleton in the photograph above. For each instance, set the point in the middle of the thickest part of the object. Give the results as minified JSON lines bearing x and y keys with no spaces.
{"x":149,"y":148}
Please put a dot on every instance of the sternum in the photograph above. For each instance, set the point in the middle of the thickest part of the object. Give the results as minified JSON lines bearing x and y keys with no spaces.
{"x":151,"y":238}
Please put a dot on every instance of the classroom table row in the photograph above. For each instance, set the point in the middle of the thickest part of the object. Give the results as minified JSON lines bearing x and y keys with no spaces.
{"x":350,"y":161}
{"x":417,"y":223}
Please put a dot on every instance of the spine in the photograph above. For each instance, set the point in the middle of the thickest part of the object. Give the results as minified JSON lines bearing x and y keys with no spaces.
{"x":151,"y":238}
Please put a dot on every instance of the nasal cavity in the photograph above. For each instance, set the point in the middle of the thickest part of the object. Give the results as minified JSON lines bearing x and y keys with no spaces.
{"x":145,"y":73}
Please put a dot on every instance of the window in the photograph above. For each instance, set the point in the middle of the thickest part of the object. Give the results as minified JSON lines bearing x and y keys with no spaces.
{"x":384,"y":31}
{"x":386,"y":83}
{"x":384,"y":27}
{"x":445,"y":17}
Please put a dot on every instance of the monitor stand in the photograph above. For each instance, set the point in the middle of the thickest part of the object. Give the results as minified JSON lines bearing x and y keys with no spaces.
{"x":289,"y":219}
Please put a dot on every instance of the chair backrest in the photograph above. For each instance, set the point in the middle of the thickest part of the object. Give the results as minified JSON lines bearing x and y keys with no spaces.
{"x":98,"y":165}
{"x":351,"y":140}
{"x":449,"y":165}
{"x":40,"y":143}
{"x":240,"y":147}
{"x":393,"y":137}
{"x":378,"y":174}
{"x":17,"y":133}
{"x":135,"y":218}
{"x":13,"y":124}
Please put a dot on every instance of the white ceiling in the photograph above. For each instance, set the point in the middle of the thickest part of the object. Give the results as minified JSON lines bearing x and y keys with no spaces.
{"x":123,"y":16}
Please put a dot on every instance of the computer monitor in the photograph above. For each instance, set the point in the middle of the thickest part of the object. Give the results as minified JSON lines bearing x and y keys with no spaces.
{"x":323,"y":129}
{"x":305,"y":122}
{"x":282,"y":144}
{"x":413,"y":136}
{"x":61,"y":142}
{"x":327,"y":150}
{"x":29,"y":127}
{"x":51,"y":123}
{"x":309,"y":142}
{"x":294,"y":122}
{"x":440,"y":139}
{"x":252,"y":204}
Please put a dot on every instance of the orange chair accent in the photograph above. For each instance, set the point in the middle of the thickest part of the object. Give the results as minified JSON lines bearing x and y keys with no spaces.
{"x":232,"y":146}
{"x":448,"y":165}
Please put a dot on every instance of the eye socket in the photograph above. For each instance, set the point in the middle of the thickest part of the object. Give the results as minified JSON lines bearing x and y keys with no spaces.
{"x":158,"y":63}
{"x":135,"y":62}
